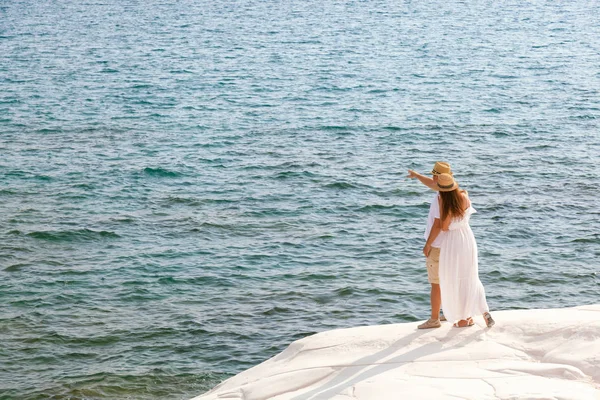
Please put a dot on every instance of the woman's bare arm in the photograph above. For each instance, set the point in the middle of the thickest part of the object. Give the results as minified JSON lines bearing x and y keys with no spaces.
{"x":446,"y":223}
{"x":466,"y":201}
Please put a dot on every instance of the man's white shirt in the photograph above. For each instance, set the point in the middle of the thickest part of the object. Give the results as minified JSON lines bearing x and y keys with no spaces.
{"x":434,"y":212}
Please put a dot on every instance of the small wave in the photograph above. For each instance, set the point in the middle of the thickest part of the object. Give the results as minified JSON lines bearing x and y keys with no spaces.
{"x":26,"y":175}
{"x":406,"y":317}
{"x":323,"y":299}
{"x":288,"y":165}
{"x":583,"y":117}
{"x":376,"y":207}
{"x":403,"y":193}
{"x":539,"y":147}
{"x":340,"y":185}
{"x":377,"y":91}
{"x":317,"y":277}
{"x":208,"y":225}
{"x":15,"y":267}
{"x":49,"y":130}
{"x":500,"y":134}
{"x":336,"y":128}
{"x":276,"y":310}
{"x":152,"y":384}
{"x":520,"y":234}
{"x":346,"y":291}
{"x":322,"y":236}
{"x":595,"y":239}
{"x":160,"y":172}
{"x":72,"y":236}
{"x":539,"y":281}
{"x":10,"y":101}
{"x":85,"y":186}
{"x":183,"y":200}
{"x":502,"y":76}
{"x":80,"y":356}
{"x":141,"y":86}
{"x":292,"y":174}
{"x":123,"y":220}
{"x":198,"y":280}
{"x":14,"y":249}
{"x":169,"y":280}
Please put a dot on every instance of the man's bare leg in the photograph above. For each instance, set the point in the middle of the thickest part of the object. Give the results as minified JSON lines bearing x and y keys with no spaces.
{"x":436,"y":301}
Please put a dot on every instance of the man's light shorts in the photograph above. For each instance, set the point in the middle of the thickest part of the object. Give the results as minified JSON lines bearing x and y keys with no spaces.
{"x":433,"y":265}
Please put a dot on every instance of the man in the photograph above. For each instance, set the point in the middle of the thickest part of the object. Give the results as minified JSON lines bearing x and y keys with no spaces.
{"x":431,"y":250}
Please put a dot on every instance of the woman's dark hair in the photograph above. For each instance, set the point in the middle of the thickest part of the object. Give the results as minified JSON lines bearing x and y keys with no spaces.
{"x":451,"y":204}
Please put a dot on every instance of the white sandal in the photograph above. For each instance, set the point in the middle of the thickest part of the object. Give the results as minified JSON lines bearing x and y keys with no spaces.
{"x":489,"y":321}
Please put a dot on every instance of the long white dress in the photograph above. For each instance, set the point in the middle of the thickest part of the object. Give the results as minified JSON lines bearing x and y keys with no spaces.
{"x":463,"y":294}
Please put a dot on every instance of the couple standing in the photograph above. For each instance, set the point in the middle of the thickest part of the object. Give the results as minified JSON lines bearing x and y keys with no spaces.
{"x":451,"y":253}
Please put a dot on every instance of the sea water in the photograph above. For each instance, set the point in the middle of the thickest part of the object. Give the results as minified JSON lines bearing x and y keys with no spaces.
{"x":188,"y":187}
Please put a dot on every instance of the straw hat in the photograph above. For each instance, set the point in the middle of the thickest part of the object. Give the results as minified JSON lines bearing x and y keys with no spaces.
{"x":441,"y":167}
{"x":446,"y":183}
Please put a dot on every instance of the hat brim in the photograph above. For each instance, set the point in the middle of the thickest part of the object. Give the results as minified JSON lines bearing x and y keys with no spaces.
{"x":434,"y":172}
{"x":447,"y":189}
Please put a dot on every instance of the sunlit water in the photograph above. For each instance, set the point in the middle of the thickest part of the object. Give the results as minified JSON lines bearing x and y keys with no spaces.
{"x":188,"y":187}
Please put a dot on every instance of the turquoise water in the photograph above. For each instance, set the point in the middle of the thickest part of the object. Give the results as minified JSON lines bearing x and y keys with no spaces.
{"x":188,"y":187}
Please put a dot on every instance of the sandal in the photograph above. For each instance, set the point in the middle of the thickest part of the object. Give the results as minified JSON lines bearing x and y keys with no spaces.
{"x":430,"y":323}
{"x":464,"y":323}
{"x":489,"y":321}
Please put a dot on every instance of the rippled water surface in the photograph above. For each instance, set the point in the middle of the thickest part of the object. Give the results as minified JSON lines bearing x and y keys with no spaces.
{"x":187,"y":187}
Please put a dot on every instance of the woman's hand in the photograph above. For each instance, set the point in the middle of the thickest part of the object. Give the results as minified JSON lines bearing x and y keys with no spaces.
{"x":411,"y":174}
{"x":427,"y":250}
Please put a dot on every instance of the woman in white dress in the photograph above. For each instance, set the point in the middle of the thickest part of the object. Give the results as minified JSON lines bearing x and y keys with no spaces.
{"x":463,"y":295}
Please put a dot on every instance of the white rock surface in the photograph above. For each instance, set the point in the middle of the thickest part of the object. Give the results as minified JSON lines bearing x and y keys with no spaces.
{"x":528,"y":354}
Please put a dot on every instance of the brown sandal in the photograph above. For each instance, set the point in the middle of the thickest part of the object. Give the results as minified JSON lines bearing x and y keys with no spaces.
{"x":464,"y":323}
